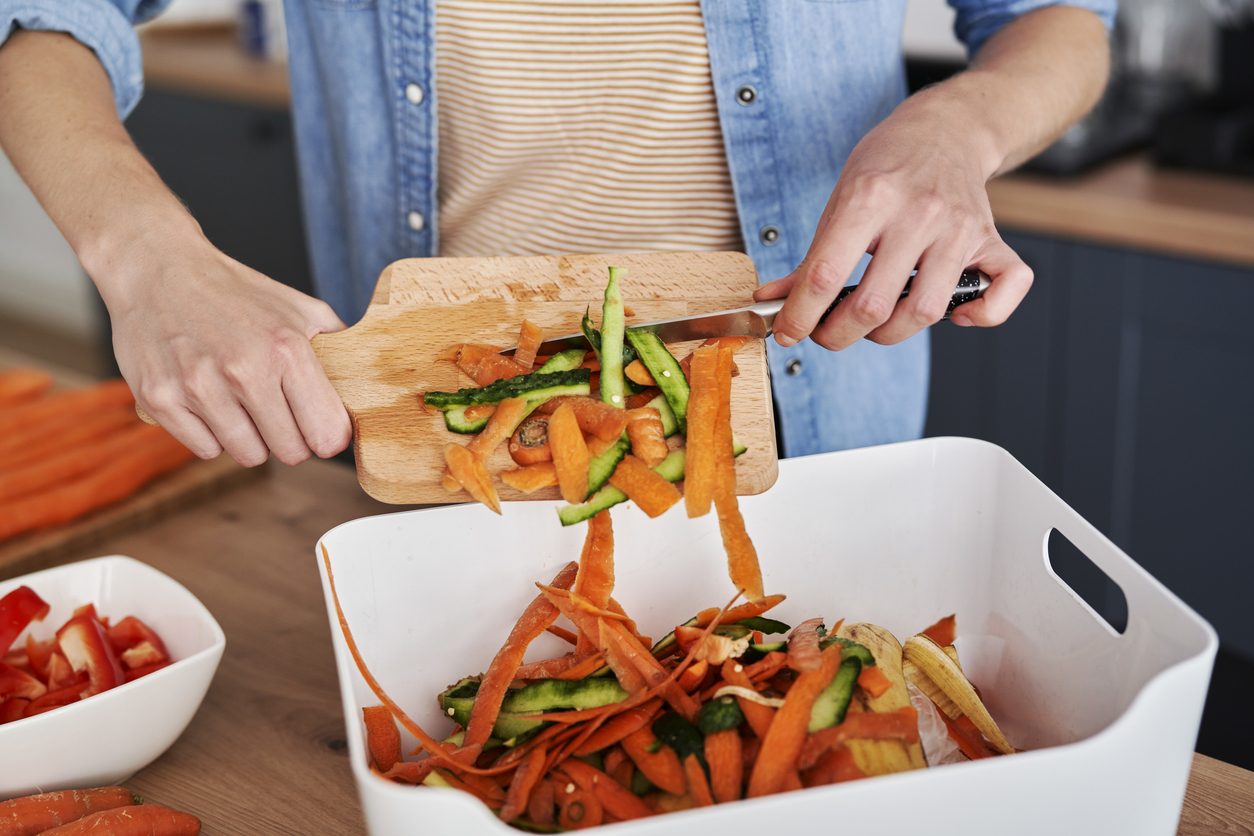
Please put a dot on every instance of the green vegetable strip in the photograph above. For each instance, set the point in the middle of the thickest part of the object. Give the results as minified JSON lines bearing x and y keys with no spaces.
{"x":665,"y":370}
{"x":671,"y":469}
{"x":513,"y":387}
{"x":830,"y":707}
{"x":613,"y":324}
{"x":563,"y":361}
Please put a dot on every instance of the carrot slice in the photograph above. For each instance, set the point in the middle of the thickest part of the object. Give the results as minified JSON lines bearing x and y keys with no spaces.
{"x":530,"y":442}
{"x":383,"y":741}
{"x":874,"y":682}
{"x":471,"y":473}
{"x":509,"y":413}
{"x":787,"y":734}
{"x":659,"y":763}
{"x":532,"y":478}
{"x":703,"y":413}
{"x":543,"y":801}
{"x":943,"y":632}
{"x":647,"y":436}
{"x":595,"y":581}
{"x":615,"y":729}
{"x":570,"y":454}
{"x":536,"y":618}
{"x":638,"y":374}
{"x":723,"y":753}
{"x":521,"y":785}
{"x":578,"y":809}
{"x":742,"y":558}
{"x":617,"y":800}
{"x":698,"y":786}
{"x":529,"y":338}
{"x":651,"y":493}
{"x":18,"y":385}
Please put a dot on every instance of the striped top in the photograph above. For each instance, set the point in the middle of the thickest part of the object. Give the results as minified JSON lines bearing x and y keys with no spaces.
{"x":578,"y":127}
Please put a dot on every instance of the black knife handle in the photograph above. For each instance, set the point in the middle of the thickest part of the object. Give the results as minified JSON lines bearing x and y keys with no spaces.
{"x":971,"y":285}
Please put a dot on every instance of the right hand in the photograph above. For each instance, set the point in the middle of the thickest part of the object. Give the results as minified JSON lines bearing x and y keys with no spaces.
{"x":219,"y":354}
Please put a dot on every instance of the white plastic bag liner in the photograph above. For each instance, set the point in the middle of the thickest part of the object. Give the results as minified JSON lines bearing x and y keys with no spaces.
{"x":897,"y":535}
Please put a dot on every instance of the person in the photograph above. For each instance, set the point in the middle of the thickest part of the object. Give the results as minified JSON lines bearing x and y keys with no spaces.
{"x":482,"y":127}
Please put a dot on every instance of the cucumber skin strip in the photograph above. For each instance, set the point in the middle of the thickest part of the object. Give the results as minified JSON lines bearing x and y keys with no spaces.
{"x":613,"y":326}
{"x":671,"y":468}
{"x":666,"y":372}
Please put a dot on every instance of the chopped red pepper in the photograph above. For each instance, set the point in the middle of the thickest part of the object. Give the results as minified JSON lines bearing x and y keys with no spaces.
{"x":56,"y":699}
{"x":15,"y":682}
{"x":12,"y":709}
{"x":135,"y":673}
{"x":87,"y":648}
{"x":60,"y":674}
{"x":17,"y":609}
{"x":38,"y":654}
{"x":142,"y":654}
{"x":130,"y":632}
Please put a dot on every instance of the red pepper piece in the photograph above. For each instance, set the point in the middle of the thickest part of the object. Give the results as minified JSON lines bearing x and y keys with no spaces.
{"x":17,"y":609}
{"x":142,"y":654}
{"x":56,"y":699}
{"x":86,"y":647}
{"x":15,"y":682}
{"x":130,"y":632}
{"x":39,"y":654}
{"x":135,"y":673}
{"x":12,"y":709}
{"x":60,"y":674}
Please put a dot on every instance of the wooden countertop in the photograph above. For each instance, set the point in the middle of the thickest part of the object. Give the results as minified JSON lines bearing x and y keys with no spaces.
{"x":1125,"y":203}
{"x":270,"y":734}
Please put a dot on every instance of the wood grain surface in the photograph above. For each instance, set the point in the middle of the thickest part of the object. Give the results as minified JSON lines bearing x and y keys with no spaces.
{"x":266,"y":754}
{"x":382,"y":364}
{"x":188,"y":484}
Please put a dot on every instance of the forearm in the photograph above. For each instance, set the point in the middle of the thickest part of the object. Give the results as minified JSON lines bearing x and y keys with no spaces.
{"x":1028,"y":83}
{"x":62,"y":134}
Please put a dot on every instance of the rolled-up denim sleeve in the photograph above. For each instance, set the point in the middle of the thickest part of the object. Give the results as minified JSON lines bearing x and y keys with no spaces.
{"x":979,"y":20}
{"x":103,"y":26}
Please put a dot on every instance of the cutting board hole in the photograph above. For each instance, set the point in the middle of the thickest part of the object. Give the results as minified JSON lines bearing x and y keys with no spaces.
{"x":1090,"y":583}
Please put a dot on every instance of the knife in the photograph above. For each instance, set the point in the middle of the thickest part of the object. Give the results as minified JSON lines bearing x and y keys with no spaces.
{"x":755,"y":320}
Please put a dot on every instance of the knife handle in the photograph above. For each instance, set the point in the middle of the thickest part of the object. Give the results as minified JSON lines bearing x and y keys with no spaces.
{"x":971,"y":285}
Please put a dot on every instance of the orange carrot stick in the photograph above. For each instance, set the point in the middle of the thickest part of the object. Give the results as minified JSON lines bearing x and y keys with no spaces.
{"x":595,"y":581}
{"x":651,"y":493}
{"x":508,"y":415}
{"x":703,"y":413}
{"x":74,"y":460}
{"x":383,"y":741}
{"x":902,"y":724}
{"x":37,"y":813}
{"x":62,"y":437}
{"x":532,"y":478}
{"x":578,"y":809}
{"x":584,"y":669}
{"x":79,"y":402}
{"x":698,"y":786}
{"x":543,"y":801}
{"x":529,"y":338}
{"x":21,"y":385}
{"x":742,"y":558}
{"x":943,"y":632}
{"x":551,"y":668}
{"x":750,"y":610}
{"x":535,"y":619}
{"x":135,"y":820}
{"x":659,"y":764}
{"x":471,"y":473}
{"x":784,"y":739}
{"x":523,"y":783}
{"x":104,"y":486}
{"x":570,"y":454}
{"x":617,"y":728}
{"x":617,"y":800}
{"x":874,"y":681}
{"x":758,"y":716}
{"x":563,"y":634}
{"x":637,"y":373}
{"x":725,"y":757}
{"x":647,"y":436}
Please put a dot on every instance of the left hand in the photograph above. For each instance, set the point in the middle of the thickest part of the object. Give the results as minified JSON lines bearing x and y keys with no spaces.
{"x":913,"y":195}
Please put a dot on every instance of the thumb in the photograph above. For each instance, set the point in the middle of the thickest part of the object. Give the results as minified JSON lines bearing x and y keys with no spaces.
{"x":320,"y":318}
{"x":777,"y":289}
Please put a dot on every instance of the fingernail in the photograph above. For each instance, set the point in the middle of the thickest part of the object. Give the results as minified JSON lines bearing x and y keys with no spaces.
{"x":961,"y":319}
{"x":785,"y":340}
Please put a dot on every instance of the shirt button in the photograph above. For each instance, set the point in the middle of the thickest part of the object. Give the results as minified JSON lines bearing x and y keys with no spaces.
{"x":746,"y":95}
{"x":414,"y":93}
{"x":417,"y":222}
{"x":769,"y":234}
{"x":794,"y":367}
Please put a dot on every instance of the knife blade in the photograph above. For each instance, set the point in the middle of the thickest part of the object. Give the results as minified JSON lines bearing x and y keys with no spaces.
{"x":755,"y":321}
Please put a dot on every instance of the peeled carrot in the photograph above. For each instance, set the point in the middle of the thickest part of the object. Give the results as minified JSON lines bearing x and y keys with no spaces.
{"x":637,"y":373}
{"x":787,"y":733}
{"x":703,"y":409}
{"x":943,"y":632}
{"x":873,"y":681}
{"x":382,"y":738}
{"x":651,"y":493}
{"x":509,"y":413}
{"x":570,"y":454}
{"x":617,"y":800}
{"x":698,"y":786}
{"x":529,"y":338}
{"x":104,"y":486}
{"x":73,"y":460}
{"x":471,"y":473}
{"x":62,"y":437}
{"x":20,"y":385}
{"x":725,"y":757}
{"x":742,"y":557}
{"x":523,"y":783}
{"x":563,"y":634}
{"x":37,"y":813}
{"x":648,"y":438}
{"x":80,"y":402}
{"x":536,"y":618}
{"x":661,"y":766}
{"x":141,"y":820}
{"x":595,"y":580}
{"x":532,"y":478}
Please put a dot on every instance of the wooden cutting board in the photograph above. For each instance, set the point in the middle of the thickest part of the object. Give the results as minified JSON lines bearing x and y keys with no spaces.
{"x":72,"y":540}
{"x":381,"y":365}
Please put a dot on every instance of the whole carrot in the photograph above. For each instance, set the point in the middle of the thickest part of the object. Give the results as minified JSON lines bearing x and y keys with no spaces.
{"x":37,"y":813}
{"x":104,"y":486}
{"x":72,"y":461}
{"x":20,"y":385}
{"x":111,"y":393}
{"x":70,"y":432}
{"x":146,"y":820}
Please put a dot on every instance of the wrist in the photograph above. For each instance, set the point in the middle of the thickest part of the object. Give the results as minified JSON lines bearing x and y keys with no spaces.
{"x":958,"y":111}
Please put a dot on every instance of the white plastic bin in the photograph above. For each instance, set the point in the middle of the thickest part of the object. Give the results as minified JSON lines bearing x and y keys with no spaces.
{"x":898,"y":535}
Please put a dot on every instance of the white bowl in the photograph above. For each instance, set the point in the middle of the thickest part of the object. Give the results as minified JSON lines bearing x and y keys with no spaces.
{"x":107,"y":738}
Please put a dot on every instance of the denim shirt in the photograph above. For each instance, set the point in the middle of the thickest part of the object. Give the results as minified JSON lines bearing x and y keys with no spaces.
{"x":797,"y":83}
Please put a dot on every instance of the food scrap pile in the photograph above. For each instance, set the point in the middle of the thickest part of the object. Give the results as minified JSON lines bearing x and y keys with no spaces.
{"x":86,"y":656}
{"x":65,"y":454}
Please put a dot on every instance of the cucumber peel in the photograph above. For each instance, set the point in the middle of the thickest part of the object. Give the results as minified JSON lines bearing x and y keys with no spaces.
{"x":665,"y":369}
{"x":613,"y":325}
{"x":537,"y":386}
{"x":671,"y":469}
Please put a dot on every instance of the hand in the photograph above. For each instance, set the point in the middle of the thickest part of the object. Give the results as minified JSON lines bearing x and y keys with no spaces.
{"x":912,"y":194}
{"x":219,"y":354}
